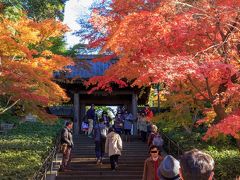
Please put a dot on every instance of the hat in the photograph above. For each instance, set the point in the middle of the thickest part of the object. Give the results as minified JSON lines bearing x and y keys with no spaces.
{"x":169,"y":168}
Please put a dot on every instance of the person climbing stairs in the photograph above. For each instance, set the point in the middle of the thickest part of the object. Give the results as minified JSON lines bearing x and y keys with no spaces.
{"x":83,"y":165}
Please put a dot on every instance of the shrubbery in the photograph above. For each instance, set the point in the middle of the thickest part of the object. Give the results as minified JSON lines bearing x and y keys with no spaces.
{"x":224,"y":150}
{"x":23,"y":149}
{"x":9,"y":118}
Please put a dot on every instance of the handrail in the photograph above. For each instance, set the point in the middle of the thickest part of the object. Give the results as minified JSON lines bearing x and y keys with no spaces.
{"x":41,"y":174}
{"x":171,"y":146}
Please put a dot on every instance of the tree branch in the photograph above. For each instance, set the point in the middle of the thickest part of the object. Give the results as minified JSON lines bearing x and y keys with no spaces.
{"x":208,"y":89}
{"x":198,"y":90}
{"x":9,"y":107}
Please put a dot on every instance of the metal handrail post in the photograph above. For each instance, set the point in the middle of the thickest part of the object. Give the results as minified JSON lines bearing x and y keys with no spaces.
{"x":178,"y":149}
{"x":45,"y":174}
{"x":169,"y":145}
{"x":168,"y":142}
{"x":51,"y":167}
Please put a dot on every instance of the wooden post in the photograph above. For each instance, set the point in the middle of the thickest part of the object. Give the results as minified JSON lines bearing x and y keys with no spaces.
{"x":134,"y":112}
{"x":82,"y":112}
{"x":76,"y":114}
{"x":158,"y":90}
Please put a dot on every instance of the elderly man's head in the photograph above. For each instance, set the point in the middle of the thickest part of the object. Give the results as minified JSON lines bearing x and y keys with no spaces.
{"x":196,"y":164}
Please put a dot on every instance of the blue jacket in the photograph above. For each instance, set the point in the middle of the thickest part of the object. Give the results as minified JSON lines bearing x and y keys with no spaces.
{"x":128,"y":121}
{"x":100,"y":131}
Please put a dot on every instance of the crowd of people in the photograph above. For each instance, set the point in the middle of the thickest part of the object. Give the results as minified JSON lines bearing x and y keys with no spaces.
{"x":193,"y":165}
{"x":107,"y":133}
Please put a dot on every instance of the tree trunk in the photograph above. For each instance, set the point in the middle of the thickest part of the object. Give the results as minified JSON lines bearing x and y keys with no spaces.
{"x":188,"y":129}
{"x":238,"y":144}
{"x":220,"y":113}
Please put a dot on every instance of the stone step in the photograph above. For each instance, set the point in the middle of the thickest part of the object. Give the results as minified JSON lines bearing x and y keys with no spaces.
{"x":88,"y":166}
{"x":127,"y":154}
{"x":114,"y":176}
{"x":128,"y":157}
{"x":85,"y":147}
{"x":83,"y":165}
{"x":133,"y":137}
{"x":89,"y":142}
{"x":134,"y":148}
{"x":106,"y":167}
{"x":124,"y":150}
{"x":102,"y":172}
{"x":121,"y":161}
{"x":106,"y":160}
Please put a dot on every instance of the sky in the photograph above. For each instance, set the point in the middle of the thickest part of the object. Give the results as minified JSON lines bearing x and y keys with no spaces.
{"x":73,"y":10}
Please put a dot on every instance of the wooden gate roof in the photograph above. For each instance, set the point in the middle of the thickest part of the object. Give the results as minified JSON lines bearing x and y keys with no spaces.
{"x":83,"y":69}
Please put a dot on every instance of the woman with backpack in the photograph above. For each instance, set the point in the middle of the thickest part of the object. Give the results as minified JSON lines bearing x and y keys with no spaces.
{"x":100,"y":133}
{"x":155,"y":138}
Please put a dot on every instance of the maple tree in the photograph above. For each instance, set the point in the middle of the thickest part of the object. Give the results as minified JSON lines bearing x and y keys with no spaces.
{"x":26,"y":64}
{"x":190,"y":46}
{"x":37,"y":10}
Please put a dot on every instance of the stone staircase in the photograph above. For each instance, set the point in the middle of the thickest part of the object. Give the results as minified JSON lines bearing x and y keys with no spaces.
{"x":84,"y":167}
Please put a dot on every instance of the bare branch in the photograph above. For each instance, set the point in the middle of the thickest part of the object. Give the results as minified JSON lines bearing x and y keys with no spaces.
{"x":9,"y":107}
{"x":9,"y":100}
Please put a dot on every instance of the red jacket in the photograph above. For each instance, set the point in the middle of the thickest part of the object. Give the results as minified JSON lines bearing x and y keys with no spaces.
{"x":149,"y":114}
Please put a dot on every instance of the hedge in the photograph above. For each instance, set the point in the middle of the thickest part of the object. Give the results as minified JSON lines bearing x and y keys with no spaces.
{"x":23,"y":149}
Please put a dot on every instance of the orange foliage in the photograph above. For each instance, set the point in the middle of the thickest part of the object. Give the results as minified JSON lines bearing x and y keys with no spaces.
{"x":172,"y":41}
{"x":26,"y":73}
{"x":228,"y":126}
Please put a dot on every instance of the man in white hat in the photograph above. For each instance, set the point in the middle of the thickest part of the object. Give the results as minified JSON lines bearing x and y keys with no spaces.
{"x":169,"y":169}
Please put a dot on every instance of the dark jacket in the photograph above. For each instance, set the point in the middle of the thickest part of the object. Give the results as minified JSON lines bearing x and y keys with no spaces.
{"x":149,"y":170}
{"x":107,"y":120}
{"x":66,"y":137}
{"x":118,"y":123}
{"x":91,"y":114}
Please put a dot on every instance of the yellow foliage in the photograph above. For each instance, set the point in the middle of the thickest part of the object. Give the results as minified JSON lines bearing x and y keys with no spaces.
{"x":47,"y":53}
{"x":26,"y":73}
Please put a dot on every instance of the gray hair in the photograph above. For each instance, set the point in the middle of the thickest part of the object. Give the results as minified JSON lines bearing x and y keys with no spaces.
{"x":196,"y":164}
{"x":154,"y":128}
